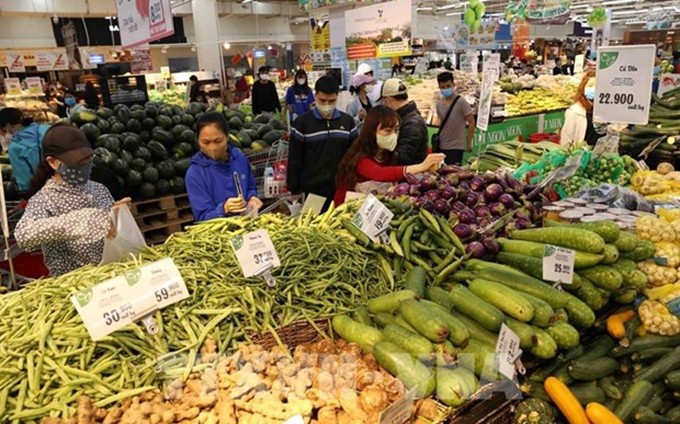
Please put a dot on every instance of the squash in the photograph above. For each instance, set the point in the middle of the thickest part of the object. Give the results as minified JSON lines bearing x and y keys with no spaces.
{"x":534,"y":411}
{"x":600,"y":414}
{"x":566,"y":401}
{"x":664,"y":168}
{"x":616,"y":322}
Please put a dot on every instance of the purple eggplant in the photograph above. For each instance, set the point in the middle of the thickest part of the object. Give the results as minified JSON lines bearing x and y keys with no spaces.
{"x":449,"y":169}
{"x":475,"y":250}
{"x":411,"y":179}
{"x":463,"y":231}
{"x":491,"y":245}
{"x":424,"y":202}
{"x":522,"y":213}
{"x":458,"y":206}
{"x":400,"y":189}
{"x":414,"y":190}
{"x":514,"y":183}
{"x":497,"y":209}
{"x":477,"y":184}
{"x":428,"y":182}
{"x":442,"y":207}
{"x":507,"y":200}
{"x":433,"y":194}
{"x":471,"y":200}
{"x":452,"y":179}
{"x":467,"y":216}
{"x":448,"y":192}
{"x":492,"y":192}
{"x":482,"y":212}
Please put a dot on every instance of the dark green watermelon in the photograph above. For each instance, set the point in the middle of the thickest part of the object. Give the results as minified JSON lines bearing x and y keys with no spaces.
{"x":103,"y":125}
{"x":147,"y":190}
{"x":176,"y":110}
{"x":145,"y":135}
{"x":166,"y":111}
{"x":187,"y":136}
{"x":158,"y":151}
{"x":112,"y":144}
{"x":264,"y":129}
{"x":117,"y":128}
{"x":134,"y":179}
{"x":162,"y":187}
{"x":122,"y":112}
{"x":131,"y":142}
{"x":104,"y":157}
{"x":91,"y":131}
{"x":99,"y":142}
{"x":133,"y":125}
{"x":138,"y":114}
{"x":120,"y":167}
{"x":182,"y":150}
{"x":235,"y":123}
{"x":177,"y":185}
{"x":182,"y":165}
{"x":195,"y":107}
{"x":138,"y":164}
{"x":164,"y":121}
{"x":150,"y":175}
{"x":176,"y":119}
{"x":148,"y":123}
{"x":187,"y":119}
{"x":162,"y":136}
{"x":104,"y":112}
{"x":126,"y":156}
{"x":177,"y":131}
{"x":166,"y":168}
{"x":151,"y":110}
{"x":142,"y":153}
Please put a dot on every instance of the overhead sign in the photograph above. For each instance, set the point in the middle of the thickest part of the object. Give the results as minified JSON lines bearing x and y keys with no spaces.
{"x":51,"y":61}
{"x":539,"y":12}
{"x":15,"y":62}
{"x":379,"y":30}
{"x":34,"y":85}
{"x":623,"y":85}
{"x":142,"y":21}
{"x":141,"y":61}
{"x":13,"y":86}
{"x":320,"y":34}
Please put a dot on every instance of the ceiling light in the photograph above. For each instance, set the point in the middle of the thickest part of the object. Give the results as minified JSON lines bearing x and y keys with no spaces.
{"x":614,"y":2}
{"x":589,"y":9}
{"x":625,"y":12}
{"x":269,"y":47}
{"x":446,"y":28}
{"x":450,"y":6}
{"x":453,"y":14}
{"x":226,"y":45}
{"x":423,"y":8}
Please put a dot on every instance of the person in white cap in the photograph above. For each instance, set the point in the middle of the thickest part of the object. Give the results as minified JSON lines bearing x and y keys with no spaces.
{"x":374,"y":93}
{"x":412,"y":142}
{"x":361,"y":103}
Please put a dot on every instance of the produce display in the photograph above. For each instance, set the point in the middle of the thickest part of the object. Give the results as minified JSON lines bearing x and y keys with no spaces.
{"x":508,"y":155}
{"x":31,"y":107}
{"x":538,"y":100}
{"x":173,"y":96}
{"x":662,"y":184}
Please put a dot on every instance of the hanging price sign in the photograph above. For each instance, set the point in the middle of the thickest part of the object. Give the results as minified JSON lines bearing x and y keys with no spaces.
{"x":401,"y":410}
{"x":122,"y":300}
{"x":373,"y":218}
{"x":558,"y":264}
{"x":255,"y":253}
{"x":507,"y":351}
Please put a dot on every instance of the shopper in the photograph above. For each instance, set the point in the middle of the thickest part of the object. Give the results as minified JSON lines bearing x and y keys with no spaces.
{"x":557,"y":70}
{"x":265,"y":97}
{"x":242,"y":89}
{"x":67,"y":214}
{"x":374,"y":93}
{"x":568,"y":68}
{"x":454,"y":112}
{"x":369,"y":156}
{"x":578,"y":119}
{"x":361,"y":103}
{"x":448,"y":65}
{"x":193,"y":89}
{"x":210,"y":183}
{"x":412,"y":142}
{"x":56,"y":102}
{"x":26,"y":144}
{"x":318,"y":142}
{"x":91,"y":96}
{"x":75,"y":103}
{"x":299,"y":97}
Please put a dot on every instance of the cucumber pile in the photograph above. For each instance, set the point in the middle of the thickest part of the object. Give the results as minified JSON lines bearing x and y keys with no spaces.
{"x":506,"y":155}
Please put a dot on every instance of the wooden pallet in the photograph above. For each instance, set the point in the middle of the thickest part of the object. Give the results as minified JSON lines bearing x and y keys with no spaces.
{"x":158,"y":218}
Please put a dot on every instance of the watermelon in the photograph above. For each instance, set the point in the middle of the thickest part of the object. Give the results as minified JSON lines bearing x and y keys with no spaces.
{"x":150,"y":175}
{"x":133,"y":125}
{"x":122,"y":112}
{"x":261,"y":119}
{"x":142,"y":153}
{"x":120,"y":167}
{"x":187,"y":136}
{"x":176,"y":131}
{"x":91,"y":131}
{"x":162,"y":136}
{"x":112,"y":144}
{"x":104,"y":157}
{"x":138,"y":164}
{"x":244,"y":138}
{"x":162,"y":187}
{"x":182,"y":150}
{"x":252,"y":134}
{"x":182,"y":165}
{"x":273,"y":136}
{"x":145,"y":135}
{"x":126,"y":156}
{"x":264,"y":129}
{"x":187,"y":119}
{"x":176,"y":110}
{"x":104,"y":112}
{"x":147,"y":190}
{"x":148,"y":123}
{"x":235,"y":123}
{"x":103,"y":125}
{"x":166,"y":168}
{"x":177,"y":185}
{"x":158,"y":151}
{"x":151,"y":110}
{"x":195,"y":107}
{"x":131,"y":142}
{"x":117,"y":128}
{"x":276,"y":124}
{"x":99,"y":142}
{"x":134,"y":179}
{"x":136,"y":107}
{"x":164,"y":121}
{"x":138,"y":113}
{"x":84,"y":117}
{"x":258,"y":145}
{"x":166,"y":111}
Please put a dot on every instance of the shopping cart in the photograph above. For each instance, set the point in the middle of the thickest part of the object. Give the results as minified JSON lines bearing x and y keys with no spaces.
{"x":276,"y":159}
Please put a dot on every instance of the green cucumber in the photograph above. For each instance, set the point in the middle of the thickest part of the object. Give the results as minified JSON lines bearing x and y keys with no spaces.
{"x":415,"y":344}
{"x":645,"y":415}
{"x":638,"y":394}
{"x":609,"y":387}
{"x":544,"y":314}
{"x":561,"y":315}
{"x":569,"y":237}
{"x":439,"y":296}
{"x":604,"y":277}
{"x":479,"y":357}
{"x":476,"y":330}
{"x":356,"y":332}
{"x":536,"y":250}
{"x":624,"y":264}
{"x":608,"y":230}
{"x":625,"y":296}
{"x":383,"y":319}
{"x":546,"y":347}
{"x":469,"y":304}
{"x":389,"y":302}
{"x":415,"y":281}
{"x":672,"y":380}
{"x":592,"y":370}
{"x":661,"y":367}
{"x":459,"y":334}
{"x":504,"y":298}
{"x":645,"y":342}
{"x":586,"y":393}
{"x":650,"y":354}
{"x":361,"y":315}
{"x":611,"y":254}
{"x":564,"y":334}
{"x":551,"y":367}
{"x":626,"y":241}
{"x":579,"y":313}
{"x":399,"y":320}
{"x":588,"y":294}
{"x":407,"y":369}
{"x":419,"y":316}
{"x":644,"y":249}
{"x":525,"y":332}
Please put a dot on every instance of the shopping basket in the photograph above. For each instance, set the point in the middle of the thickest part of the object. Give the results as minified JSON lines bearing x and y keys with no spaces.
{"x":276,"y":158}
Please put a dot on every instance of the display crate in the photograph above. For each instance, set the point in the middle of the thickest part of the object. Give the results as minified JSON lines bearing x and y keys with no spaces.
{"x":159,"y":217}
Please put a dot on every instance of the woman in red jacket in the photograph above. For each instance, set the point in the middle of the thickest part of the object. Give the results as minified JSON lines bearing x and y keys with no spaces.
{"x":369,"y":156}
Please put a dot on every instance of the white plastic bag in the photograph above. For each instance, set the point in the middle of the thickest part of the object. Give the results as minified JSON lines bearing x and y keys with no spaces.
{"x":129,"y":238}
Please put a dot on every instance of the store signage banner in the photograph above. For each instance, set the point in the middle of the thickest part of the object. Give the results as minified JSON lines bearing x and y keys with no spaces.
{"x":668,"y":82}
{"x":380,"y":30}
{"x":459,"y":37}
{"x":320,"y":34}
{"x":623,"y":85}
{"x":141,"y":21}
{"x":492,"y":63}
{"x":485,"y":100}
{"x":51,"y":61}
{"x":469,"y":62}
{"x":141,"y":61}
{"x":15,"y":62}
{"x":13,"y":86}
{"x":539,"y":12}
{"x":34,"y":85}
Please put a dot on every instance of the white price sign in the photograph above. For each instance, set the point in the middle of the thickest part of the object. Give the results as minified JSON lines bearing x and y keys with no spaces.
{"x":492,"y":63}
{"x":623,"y":85}
{"x":485,"y":97}
{"x":373,"y":217}
{"x":401,"y":410}
{"x":507,"y":351}
{"x":255,"y":253}
{"x":558,"y":264}
{"x":122,"y":300}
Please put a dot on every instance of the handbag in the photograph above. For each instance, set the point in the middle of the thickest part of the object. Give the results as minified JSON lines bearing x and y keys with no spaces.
{"x":435,"y":137}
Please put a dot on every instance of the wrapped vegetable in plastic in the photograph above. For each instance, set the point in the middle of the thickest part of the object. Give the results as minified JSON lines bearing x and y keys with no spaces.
{"x":658,"y":275}
{"x":658,"y":319}
{"x":668,"y":252}
{"x":654,"y":229}
{"x":651,"y":183}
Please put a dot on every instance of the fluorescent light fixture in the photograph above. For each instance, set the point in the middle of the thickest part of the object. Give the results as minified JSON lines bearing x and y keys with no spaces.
{"x":226,"y":45}
{"x":453,"y":14}
{"x":423,"y":8}
{"x":450,"y":6}
{"x":580,"y":6}
{"x":626,"y":12}
{"x":589,"y":9}
{"x":446,"y":28}
{"x":614,"y":2}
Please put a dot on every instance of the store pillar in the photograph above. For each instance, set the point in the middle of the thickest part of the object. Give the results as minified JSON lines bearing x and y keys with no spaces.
{"x":208,"y":43}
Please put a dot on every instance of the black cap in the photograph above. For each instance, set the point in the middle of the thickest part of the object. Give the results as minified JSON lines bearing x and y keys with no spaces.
{"x":66,"y":143}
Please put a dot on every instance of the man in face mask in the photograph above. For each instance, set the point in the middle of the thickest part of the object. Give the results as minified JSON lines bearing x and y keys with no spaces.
{"x":265,"y":97}
{"x":453,"y":113}
{"x":318,"y":141}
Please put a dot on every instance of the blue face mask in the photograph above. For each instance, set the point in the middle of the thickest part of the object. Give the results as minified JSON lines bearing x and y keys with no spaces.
{"x":589,"y":92}
{"x":657,"y":70}
{"x":75,"y":174}
{"x":447,"y":92}
{"x":71,"y":101}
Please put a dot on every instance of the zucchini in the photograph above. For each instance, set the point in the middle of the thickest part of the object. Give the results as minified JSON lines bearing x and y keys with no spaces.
{"x":458,"y":332}
{"x":399,"y":320}
{"x":609,"y":387}
{"x":586,"y":393}
{"x":661,"y":367}
{"x":645,"y":342}
{"x":445,"y":352}
{"x":383,"y":319}
{"x":415,"y":344}
{"x":419,"y":316}
{"x":518,"y":281}
{"x":611,"y":254}
{"x":407,"y":369}
{"x":624,"y":264}
{"x":651,"y":355}
{"x":588,"y":294}
{"x":638,"y":394}
{"x":672,"y":380}
{"x":579,"y":313}
{"x":415,"y":281}
{"x":564,"y":334}
{"x":645,"y":415}
{"x":477,"y":332}
{"x":644,"y":249}
{"x":536,"y":249}
{"x":626,"y":241}
{"x":604,"y":277}
{"x":608,"y":230}
{"x":504,"y":298}
{"x":525,"y":332}
{"x":455,"y":385}
{"x":534,"y":390}
{"x":546,"y":347}
{"x":569,"y":237}
{"x":356,"y":332}
{"x":592,"y":370}
{"x":544,"y":314}
{"x":625,"y":296}
{"x":389,"y":302}
{"x":561,"y":315}
{"x":551,"y":367}
{"x":469,"y":304}
{"x":439,"y":296}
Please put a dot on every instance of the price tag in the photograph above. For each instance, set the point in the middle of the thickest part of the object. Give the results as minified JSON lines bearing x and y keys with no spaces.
{"x":624,"y":75}
{"x":117,"y":302}
{"x":401,"y":410}
{"x":295,"y":420}
{"x":373,"y":217}
{"x":13,"y":86}
{"x":507,"y":351}
{"x":34,"y":85}
{"x":314,"y":203}
{"x":255,"y":253}
{"x":558,"y":264}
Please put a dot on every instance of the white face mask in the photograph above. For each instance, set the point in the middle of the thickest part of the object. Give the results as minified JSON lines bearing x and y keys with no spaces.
{"x":326,"y":110}
{"x":264,"y":77}
{"x":387,"y":142}
{"x":301,"y":81}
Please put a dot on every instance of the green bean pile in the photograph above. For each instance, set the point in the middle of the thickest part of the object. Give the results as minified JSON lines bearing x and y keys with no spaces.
{"x":47,"y":358}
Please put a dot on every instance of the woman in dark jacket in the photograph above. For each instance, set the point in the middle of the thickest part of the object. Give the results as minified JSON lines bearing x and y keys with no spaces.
{"x":91,"y":97}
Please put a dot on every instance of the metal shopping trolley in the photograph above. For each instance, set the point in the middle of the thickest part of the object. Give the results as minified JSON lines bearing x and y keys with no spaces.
{"x":270,"y":167}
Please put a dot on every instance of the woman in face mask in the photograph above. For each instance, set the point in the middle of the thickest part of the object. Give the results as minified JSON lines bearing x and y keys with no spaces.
{"x":369,"y":156}
{"x":74,"y":104}
{"x":265,"y":97}
{"x":361,"y":103}
{"x":578,"y":119}
{"x":67,"y":215}
{"x":219,"y":181}
{"x":299,"y":97}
